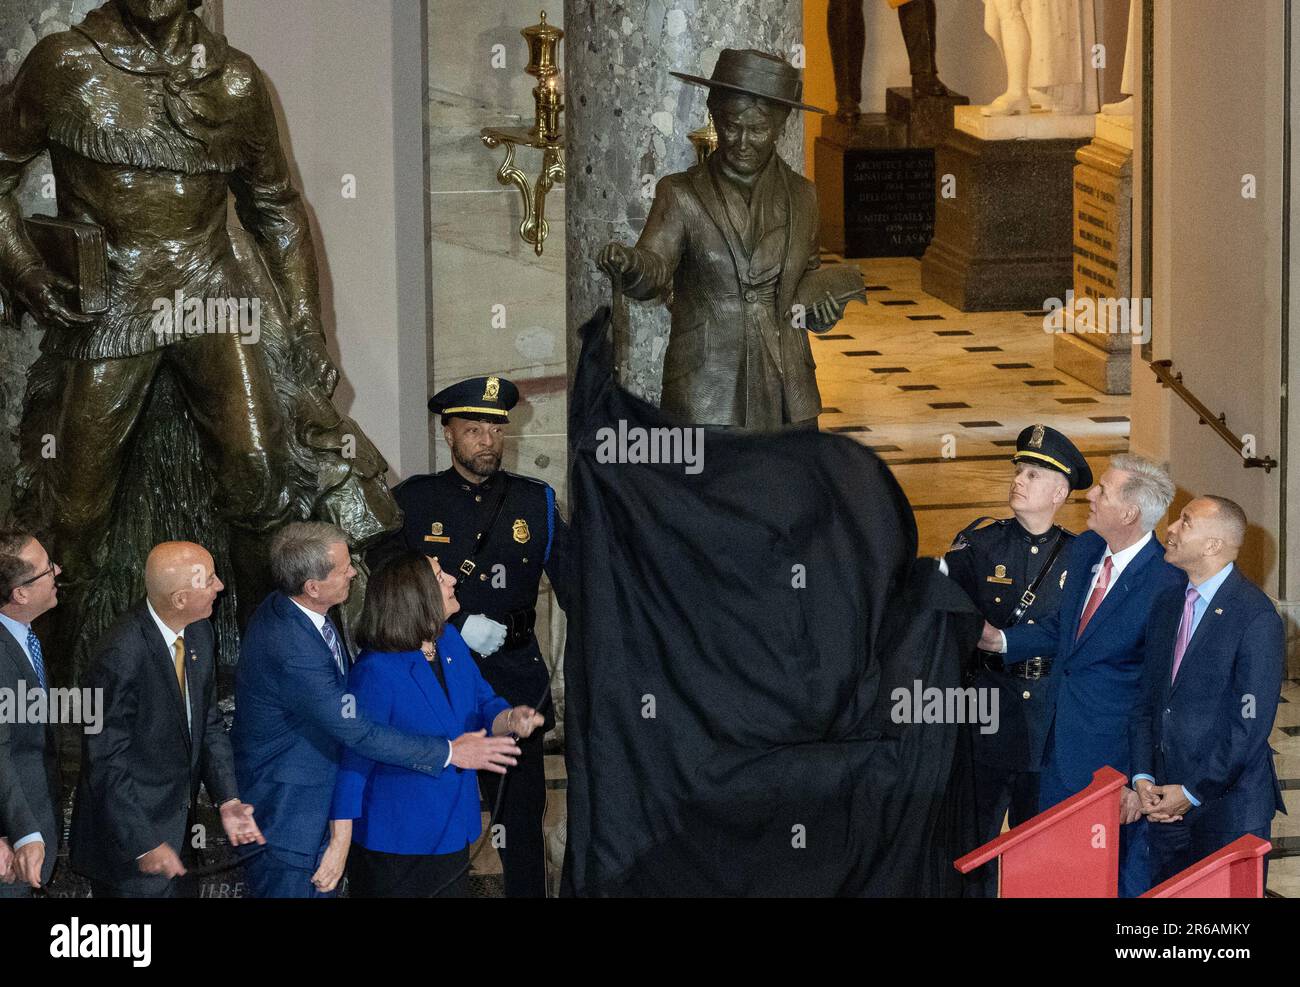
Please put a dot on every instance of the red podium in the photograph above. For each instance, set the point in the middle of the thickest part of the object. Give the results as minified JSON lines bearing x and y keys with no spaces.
{"x":1069,"y":851}
{"x":1236,"y":871}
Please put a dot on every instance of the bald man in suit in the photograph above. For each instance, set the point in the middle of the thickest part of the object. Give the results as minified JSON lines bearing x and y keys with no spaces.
{"x":162,"y":736}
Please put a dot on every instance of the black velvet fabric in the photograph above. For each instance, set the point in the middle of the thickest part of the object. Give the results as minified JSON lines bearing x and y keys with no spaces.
{"x":730,"y":664}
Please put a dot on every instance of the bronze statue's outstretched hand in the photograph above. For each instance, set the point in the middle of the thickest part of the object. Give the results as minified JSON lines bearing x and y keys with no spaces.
{"x":616,"y":260}
{"x":313,"y":363}
{"x":46,"y":295}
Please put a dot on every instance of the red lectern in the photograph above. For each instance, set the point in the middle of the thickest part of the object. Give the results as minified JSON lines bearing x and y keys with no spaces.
{"x":1236,"y":871}
{"x":1069,"y":851}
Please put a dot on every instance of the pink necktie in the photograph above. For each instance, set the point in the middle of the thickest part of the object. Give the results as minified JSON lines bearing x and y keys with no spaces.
{"x":1094,"y":601}
{"x":1184,"y":629}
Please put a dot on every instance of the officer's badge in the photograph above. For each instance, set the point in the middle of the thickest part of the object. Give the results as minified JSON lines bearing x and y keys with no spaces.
{"x":435,"y":533}
{"x":493,"y":389}
{"x":1036,"y":440}
{"x":435,"y":528}
{"x":999,"y":575}
{"x":520,"y":530}
{"x":1061,"y":585}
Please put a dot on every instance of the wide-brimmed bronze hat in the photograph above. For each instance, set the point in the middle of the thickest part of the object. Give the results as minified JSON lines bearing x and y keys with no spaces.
{"x":755,"y":73}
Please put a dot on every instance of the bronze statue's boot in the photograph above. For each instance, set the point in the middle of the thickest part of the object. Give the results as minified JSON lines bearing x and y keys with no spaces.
{"x":847,"y":112}
{"x":917,"y":19}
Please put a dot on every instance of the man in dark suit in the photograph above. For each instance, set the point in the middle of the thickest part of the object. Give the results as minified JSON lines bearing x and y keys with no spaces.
{"x":30,"y":816}
{"x":732,"y":239}
{"x":293,"y":717}
{"x":1097,"y":638}
{"x":162,"y":736}
{"x":1202,"y":764}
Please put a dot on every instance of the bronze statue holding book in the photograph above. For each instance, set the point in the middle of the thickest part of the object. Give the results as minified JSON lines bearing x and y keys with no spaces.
{"x":732,"y":245}
{"x":150,"y":414}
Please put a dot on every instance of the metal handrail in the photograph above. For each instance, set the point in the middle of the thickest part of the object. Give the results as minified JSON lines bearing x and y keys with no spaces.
{"x":1163,"y":370}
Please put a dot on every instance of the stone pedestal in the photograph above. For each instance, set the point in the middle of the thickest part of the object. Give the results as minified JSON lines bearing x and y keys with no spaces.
{"x":1003,"y":240}
{"x":927,"y":119}
{"x":1096,"y":344}
{"x":875,"y":178}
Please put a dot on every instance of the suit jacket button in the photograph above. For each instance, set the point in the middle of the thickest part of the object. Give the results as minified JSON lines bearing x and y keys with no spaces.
{"x":1025,"y":694}
{"x":1031,"y":620}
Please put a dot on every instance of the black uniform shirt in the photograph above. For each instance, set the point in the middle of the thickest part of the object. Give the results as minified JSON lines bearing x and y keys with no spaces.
{"x":995,"y":561}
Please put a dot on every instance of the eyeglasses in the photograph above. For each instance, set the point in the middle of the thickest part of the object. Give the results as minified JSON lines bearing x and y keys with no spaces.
{"x":40,"y":575}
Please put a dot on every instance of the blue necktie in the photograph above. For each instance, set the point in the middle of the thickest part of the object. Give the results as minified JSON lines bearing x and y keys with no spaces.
{"x":38,"y":659}
{"x":332,"y":639}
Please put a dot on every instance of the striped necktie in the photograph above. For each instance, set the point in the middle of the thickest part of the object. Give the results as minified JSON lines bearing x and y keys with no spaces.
{"x":332,"y":639}
{"x":38,"y":658}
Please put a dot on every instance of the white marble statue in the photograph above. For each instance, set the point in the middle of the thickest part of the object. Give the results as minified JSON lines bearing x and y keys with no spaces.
{"x":1047,"y":47}
{"x":1127,"y":84}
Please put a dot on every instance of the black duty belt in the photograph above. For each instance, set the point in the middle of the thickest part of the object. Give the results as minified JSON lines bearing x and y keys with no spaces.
{"x":1034,"y":668}
{"x":519,"y":627}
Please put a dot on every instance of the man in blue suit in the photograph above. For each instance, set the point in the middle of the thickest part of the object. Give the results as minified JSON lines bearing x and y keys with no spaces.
{"x":1097,"y":638}
{"x":1203,"y":767}
{"x":293,"y":717}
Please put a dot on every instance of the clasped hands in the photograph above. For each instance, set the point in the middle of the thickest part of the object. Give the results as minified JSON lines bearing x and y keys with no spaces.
{"x":1162,"y":803}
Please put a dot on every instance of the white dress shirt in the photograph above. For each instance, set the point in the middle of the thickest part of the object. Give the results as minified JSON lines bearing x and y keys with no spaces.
{"x":169,"y":638}
{"x":1119,"y":561}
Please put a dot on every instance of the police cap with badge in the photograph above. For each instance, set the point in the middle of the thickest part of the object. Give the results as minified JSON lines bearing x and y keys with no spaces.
{"x":1040,"y":445}
{"x":483,"y":399}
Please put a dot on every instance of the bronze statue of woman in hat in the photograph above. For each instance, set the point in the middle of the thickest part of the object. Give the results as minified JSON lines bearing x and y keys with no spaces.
{"x":734,"y":238}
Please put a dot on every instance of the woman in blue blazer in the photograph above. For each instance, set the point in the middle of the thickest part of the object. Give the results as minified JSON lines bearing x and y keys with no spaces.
{"x":411,"y":832}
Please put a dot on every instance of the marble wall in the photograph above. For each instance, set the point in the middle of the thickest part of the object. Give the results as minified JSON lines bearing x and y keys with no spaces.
{"x":497,"y":307}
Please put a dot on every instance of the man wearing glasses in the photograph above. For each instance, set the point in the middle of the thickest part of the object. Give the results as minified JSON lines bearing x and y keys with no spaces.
{"x":28,"y":815}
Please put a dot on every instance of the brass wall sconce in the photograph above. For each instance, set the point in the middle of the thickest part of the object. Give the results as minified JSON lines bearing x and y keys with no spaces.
{"x":704,"y":140}
{"x":545,"y":135}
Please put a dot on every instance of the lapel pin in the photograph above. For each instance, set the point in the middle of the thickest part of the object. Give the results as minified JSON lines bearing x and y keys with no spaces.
{"x":1218,"y":610}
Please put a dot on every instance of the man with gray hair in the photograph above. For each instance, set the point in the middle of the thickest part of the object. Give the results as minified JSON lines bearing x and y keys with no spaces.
{"x":293,"y":717}
{"x":1113,"y":574}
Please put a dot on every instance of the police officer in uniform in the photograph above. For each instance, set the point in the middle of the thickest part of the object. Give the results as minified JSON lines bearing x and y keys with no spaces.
{"x":1013,"y":568}
{"x":496,"y":532}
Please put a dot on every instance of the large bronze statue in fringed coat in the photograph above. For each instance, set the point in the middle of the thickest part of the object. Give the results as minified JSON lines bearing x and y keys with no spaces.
{"x":176,"y":413}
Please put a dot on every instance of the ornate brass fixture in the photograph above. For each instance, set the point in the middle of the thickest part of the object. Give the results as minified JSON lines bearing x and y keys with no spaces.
{"x":546,"y":134}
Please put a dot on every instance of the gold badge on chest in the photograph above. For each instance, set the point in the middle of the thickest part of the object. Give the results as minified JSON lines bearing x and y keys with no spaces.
{"x":520,"y":530}
{"x":999,"y":575}
{"x":435,"y":534}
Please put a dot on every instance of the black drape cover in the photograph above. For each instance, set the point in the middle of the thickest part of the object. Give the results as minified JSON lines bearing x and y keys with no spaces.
{"x":730,"y":663}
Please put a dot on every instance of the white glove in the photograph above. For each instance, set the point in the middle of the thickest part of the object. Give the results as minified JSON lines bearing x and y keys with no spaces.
{"x":483,"y":634}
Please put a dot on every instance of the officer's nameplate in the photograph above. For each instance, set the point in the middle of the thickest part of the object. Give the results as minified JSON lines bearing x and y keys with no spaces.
{"x":1000,"y":576}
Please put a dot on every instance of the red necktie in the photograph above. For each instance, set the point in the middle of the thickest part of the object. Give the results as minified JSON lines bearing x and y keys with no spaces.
{"x":1094,"y":601}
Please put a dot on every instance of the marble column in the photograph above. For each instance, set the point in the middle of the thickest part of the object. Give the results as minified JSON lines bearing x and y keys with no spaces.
{"x":627,"y":121}
{"x":22,"y":24}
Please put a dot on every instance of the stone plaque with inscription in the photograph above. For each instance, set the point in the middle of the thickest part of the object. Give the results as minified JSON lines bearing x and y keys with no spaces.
{"x":875,"y":202}
{"x":1095,"y":343}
